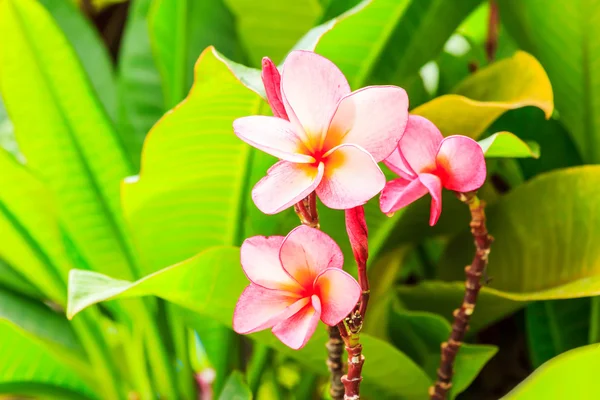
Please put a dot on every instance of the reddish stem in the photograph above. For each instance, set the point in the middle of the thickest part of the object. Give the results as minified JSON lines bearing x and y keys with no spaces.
{"x":353,"y":378}
{"x":463,"y":314}
{"x":491,"y":43}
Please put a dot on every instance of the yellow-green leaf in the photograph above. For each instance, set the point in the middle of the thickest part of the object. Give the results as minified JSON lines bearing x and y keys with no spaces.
{"x":480,"y":99}
{"x":506,"y":144}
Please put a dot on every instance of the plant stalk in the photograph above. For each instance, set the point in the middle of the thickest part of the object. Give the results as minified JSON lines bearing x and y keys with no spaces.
{"x":462,"y":315}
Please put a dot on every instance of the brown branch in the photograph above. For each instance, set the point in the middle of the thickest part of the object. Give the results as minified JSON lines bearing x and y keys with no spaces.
{"x":353,"y":378}
{"x":307,"y":212}
{"x":462,"y":315}
{"x":491,"y":42}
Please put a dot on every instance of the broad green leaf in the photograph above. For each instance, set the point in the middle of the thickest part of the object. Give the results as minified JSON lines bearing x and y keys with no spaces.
{"x":7,"y":134}
{"x":90,"y":49}
{"x":25,"y":360}
{"x":236,"y":388}
{"x":571,"y":375}
{"x":210,"y":283}
{"x":556,"y":326}
{"x":420,"y":335}
{"x":180,"y":30}
{"x":533,"y":257}
{"x":270,"y":28}
{"x":13,"y":280}
{"x":78,"y":155}
{"x":190,"y":193}
{"x":564,"y":36}
{"x":480,"y":99}
{"x":140,"y":96}
{"x":390,"y":40}
{"x":506,"y":144}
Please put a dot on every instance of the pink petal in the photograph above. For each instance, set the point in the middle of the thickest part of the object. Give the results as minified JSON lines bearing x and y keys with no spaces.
{"x":339,"y":292}
{"x":260,"y":261}
{"x":272,"y":135}
{"x":306,"y":252}
{"x":399,"y":193}
{"x":311,"y":88}
{"x":286,"y":183}
{"x":272,"y":81}
{"x":295,"y":331}
{"x":259,"y":308}
{"x":397,"y":164}
{"x":461,"y":164}
{"x":420,"y":144}
{"x":434,"y":187}
{"x":373,"y":118}
{"x":351,"y":178}
{"x":356,"y":227}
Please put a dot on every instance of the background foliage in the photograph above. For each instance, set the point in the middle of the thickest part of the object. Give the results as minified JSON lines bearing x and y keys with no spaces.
{"x":121,"y":179}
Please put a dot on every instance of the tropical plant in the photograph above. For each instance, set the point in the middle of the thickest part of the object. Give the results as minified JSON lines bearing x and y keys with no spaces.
{"x":125,"y":195}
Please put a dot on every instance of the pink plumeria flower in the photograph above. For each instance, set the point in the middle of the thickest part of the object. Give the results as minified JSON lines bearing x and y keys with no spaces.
{"x":295,"y":281}
{"x":333,"y":139}
{"x":426,"y":162}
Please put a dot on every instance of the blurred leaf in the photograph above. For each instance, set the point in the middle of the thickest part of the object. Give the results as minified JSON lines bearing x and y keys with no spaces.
{"x":571,"y":375}
{"x":564,"y":36}
{"x":270,"y":28}
{"x":558,"y":150}
{"x":190,"y":194}
{"x":506,"y":144}
{"x":209,"y":284}
{"x":27,"y":367}
{"x":480,"y":99}
{"x":140,"y":95}
{"x":90,"y":49}
{"x":78,"y":155}
{"x":390,"y":40}
{"x":7,"y":134}
{"x":556,"y":326}
{"x":13,"y":280}
{"x":180,"y":30}
{"x":336,"y":8}
{"x":236,"y":388}
{"x":420,"y":335}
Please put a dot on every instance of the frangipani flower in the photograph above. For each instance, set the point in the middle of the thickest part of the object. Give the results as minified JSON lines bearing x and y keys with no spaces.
{"x":426,"y":162}
{"x":333,"y":139}
{"x":295,"y":281}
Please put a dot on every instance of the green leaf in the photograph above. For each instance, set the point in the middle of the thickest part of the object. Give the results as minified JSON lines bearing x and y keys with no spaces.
{"x":13,"y":280}
{"x":79,"y":154}
{"x":210,"y":283}
{"x":480,"y":99}
{"x":24,"y":360}
{"x":506,"y":144}
{"x":556,"y":31}
{"x":190,"y":193}
{"x":180,"y":30}
{"x":390,"y":40}
{"x":570,"y":375}
{"x":270,"y":28}
{"x":90,"y":49}
{"x":530,"y":251}
{"x":7,"y":134}
{"x":140,"y":95}
{"x":236,"y":388}
{"x":556,"y":326}
{"x":420,"y":335}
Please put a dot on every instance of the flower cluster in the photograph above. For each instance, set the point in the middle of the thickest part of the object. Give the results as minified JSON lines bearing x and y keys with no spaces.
{"x":329,"y":140}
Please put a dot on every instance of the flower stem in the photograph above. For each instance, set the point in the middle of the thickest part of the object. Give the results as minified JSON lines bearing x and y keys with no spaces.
{"x":462,"y":315}
{"x":491,"y":42}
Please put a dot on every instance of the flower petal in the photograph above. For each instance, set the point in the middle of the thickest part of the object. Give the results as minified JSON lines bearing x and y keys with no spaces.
{"x":461,"y":164}
{"x":311,"y":88}
{"x":399,"y":193}
{"x":295,"y":331}
{"x":434,"y":187}
{"x":286,"y":183}
{"x":420,"y":143}
{"x":358,"y":233}
{"x":397,"y":164}
{"x":259,"y":308}
{"x":272,"y":135}
{"x":351,"y":178}
{"x":272,"y":81}
{"x":374,"y":118}
{"x":261,"y":264}
{"x":339,"y":292}
{"x":306,"y":252}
